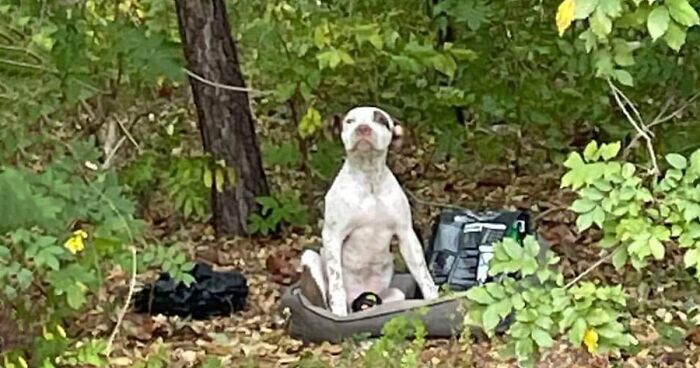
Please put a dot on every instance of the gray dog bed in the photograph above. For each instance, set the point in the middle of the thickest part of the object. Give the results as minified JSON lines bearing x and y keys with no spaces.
{"x":443,"y":317}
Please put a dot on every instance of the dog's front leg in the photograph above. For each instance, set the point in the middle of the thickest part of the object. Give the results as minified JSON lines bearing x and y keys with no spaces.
{"x":412,"y":253}
{"x":332,"y":252}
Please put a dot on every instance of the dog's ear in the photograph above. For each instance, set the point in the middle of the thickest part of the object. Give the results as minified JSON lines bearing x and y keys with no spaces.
{"x":334,"y":126}
{"x":397,"y":135}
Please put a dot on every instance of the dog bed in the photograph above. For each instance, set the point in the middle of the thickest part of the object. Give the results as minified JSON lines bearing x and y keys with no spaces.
{"x":442,"y":317}
{"x":456,"y":253}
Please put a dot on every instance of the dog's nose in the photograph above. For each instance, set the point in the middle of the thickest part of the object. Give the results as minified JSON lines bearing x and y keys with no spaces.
{"x":364,"y":129}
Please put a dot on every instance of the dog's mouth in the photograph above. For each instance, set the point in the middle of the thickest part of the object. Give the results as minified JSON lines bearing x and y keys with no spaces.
{"x":363,"y":144}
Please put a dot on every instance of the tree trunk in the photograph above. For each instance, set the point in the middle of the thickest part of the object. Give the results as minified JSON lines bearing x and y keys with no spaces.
{"x":225,"y":120}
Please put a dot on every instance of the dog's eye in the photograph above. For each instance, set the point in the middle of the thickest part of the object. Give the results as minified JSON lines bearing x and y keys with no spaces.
{"x":381,"y":119}
{"x":349,"y":121}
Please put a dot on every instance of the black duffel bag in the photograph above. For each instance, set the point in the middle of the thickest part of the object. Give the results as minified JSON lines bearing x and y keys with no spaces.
{"x":461,"y":244}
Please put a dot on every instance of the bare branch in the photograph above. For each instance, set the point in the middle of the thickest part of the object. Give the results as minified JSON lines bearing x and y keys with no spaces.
{"x":128,"y":135}
{"x":660,"y":119}
{"x":224,"y":86}
{"x":125,"y":308}
{"x":638,"y":125}
{"x":588,"y":270}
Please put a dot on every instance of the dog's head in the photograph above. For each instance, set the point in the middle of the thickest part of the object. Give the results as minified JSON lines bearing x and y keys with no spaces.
{"x":367,"y":128}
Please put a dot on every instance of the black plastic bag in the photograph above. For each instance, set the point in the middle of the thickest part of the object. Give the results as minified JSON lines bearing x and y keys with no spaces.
{"x":212,"y":294}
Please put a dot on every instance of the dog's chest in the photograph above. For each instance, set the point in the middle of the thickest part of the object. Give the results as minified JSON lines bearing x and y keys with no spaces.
{"x":373,"y":224}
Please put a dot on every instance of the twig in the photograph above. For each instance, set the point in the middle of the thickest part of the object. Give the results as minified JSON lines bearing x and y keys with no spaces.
{"x":548,"y":211}
{"x":589,"y":269}
{"x":36,"y":57}
{"x":636,"y":124}
{"x":224,"y":86}
{"x":640,"y":120}
{"x":675,"y":113}
{"x":125,"y":308}
{"x":110,"y":155}
{"x":660,"y":119}
{"x":21,"y":64}
{"x":128,"y":135}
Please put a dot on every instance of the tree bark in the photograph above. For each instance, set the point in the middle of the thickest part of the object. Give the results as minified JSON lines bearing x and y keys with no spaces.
{"x":225,"y":120}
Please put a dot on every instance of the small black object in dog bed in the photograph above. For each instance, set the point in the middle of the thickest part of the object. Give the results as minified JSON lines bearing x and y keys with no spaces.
{"x":211,"y":294}
{"x":366,"y":300}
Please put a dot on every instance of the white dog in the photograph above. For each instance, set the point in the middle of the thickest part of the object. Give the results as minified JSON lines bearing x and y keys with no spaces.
{"x":364,"y":209}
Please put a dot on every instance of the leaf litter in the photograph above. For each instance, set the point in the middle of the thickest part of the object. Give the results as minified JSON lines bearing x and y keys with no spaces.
{"x":256,"y":336}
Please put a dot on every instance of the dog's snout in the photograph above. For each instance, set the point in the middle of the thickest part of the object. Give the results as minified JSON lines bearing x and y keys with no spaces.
{"x":364,"y":129}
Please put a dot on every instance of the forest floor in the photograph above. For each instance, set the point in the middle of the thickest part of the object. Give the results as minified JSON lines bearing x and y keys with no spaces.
{"x":256,"y":337}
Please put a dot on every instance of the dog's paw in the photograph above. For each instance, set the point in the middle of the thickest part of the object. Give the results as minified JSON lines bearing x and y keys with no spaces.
{"x":339,"y":307}
{"x":430,"y":292}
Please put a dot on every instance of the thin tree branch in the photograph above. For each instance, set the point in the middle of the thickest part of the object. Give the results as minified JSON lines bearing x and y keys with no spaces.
{"x":128,"y":135}
{"x":675,"y":113}
{"x":125,"y":308}
{"x":660,"y":119}
{"x":24,"y":50}
{"x":21,"y":64}
{"x":589,"y":269}
{"x":224,"y":86}
{"x":638,"y":125}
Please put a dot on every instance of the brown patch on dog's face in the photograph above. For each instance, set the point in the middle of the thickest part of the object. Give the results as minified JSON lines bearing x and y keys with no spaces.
{"x":379,"y":118}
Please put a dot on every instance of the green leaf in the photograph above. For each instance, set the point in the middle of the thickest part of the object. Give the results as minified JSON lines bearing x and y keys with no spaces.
{"x":628,"y":170}
{"x":573,"y":161}
{"x":24,"y":278}
{"x":597,"y":317}
{"x":677,"y":161}
{"x":491,"y":317}
{"x":524,"y":348}
{"x":590,"y":153}
{"x":480,"y":295}
{"x":584,"y":221}
{"x":598,"y":216}
{"x":577,"y":331}
{"x":514,"y":250}
{"x":532,"y":247}
{"x":613,"y":8}
{"x":504,"y":307}
{"x":310,"y":123}
{"x":623,"y":54}
{"x":657,"y":22}
{"x":682,"y":12}
{"x":219,"y":179}
{"x":496,"y":290}
{"x":675,"y":36}
{"x":608,"y":151}
{"x":601,"y":24}
{"x":619,"y":258}
{"x":624,"y":77}
{"x":517,"y":301}
{"x":207,"y":177}
{"x":584,"y":8}
{"x":75,"y":297}
{"x":690,"y":258}
{"x":657,"y":248}
{"x":583,"y":205}
{"x":542,"y":338}
{"x":603,"y":63}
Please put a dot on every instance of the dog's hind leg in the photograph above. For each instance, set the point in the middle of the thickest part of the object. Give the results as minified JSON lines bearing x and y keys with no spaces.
{"x":313,"y":281}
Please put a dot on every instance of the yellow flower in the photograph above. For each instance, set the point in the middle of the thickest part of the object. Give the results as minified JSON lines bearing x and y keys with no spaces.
{"x":591,"y":340}
{"x":75,"y":243}
{"x":565,"y":15}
